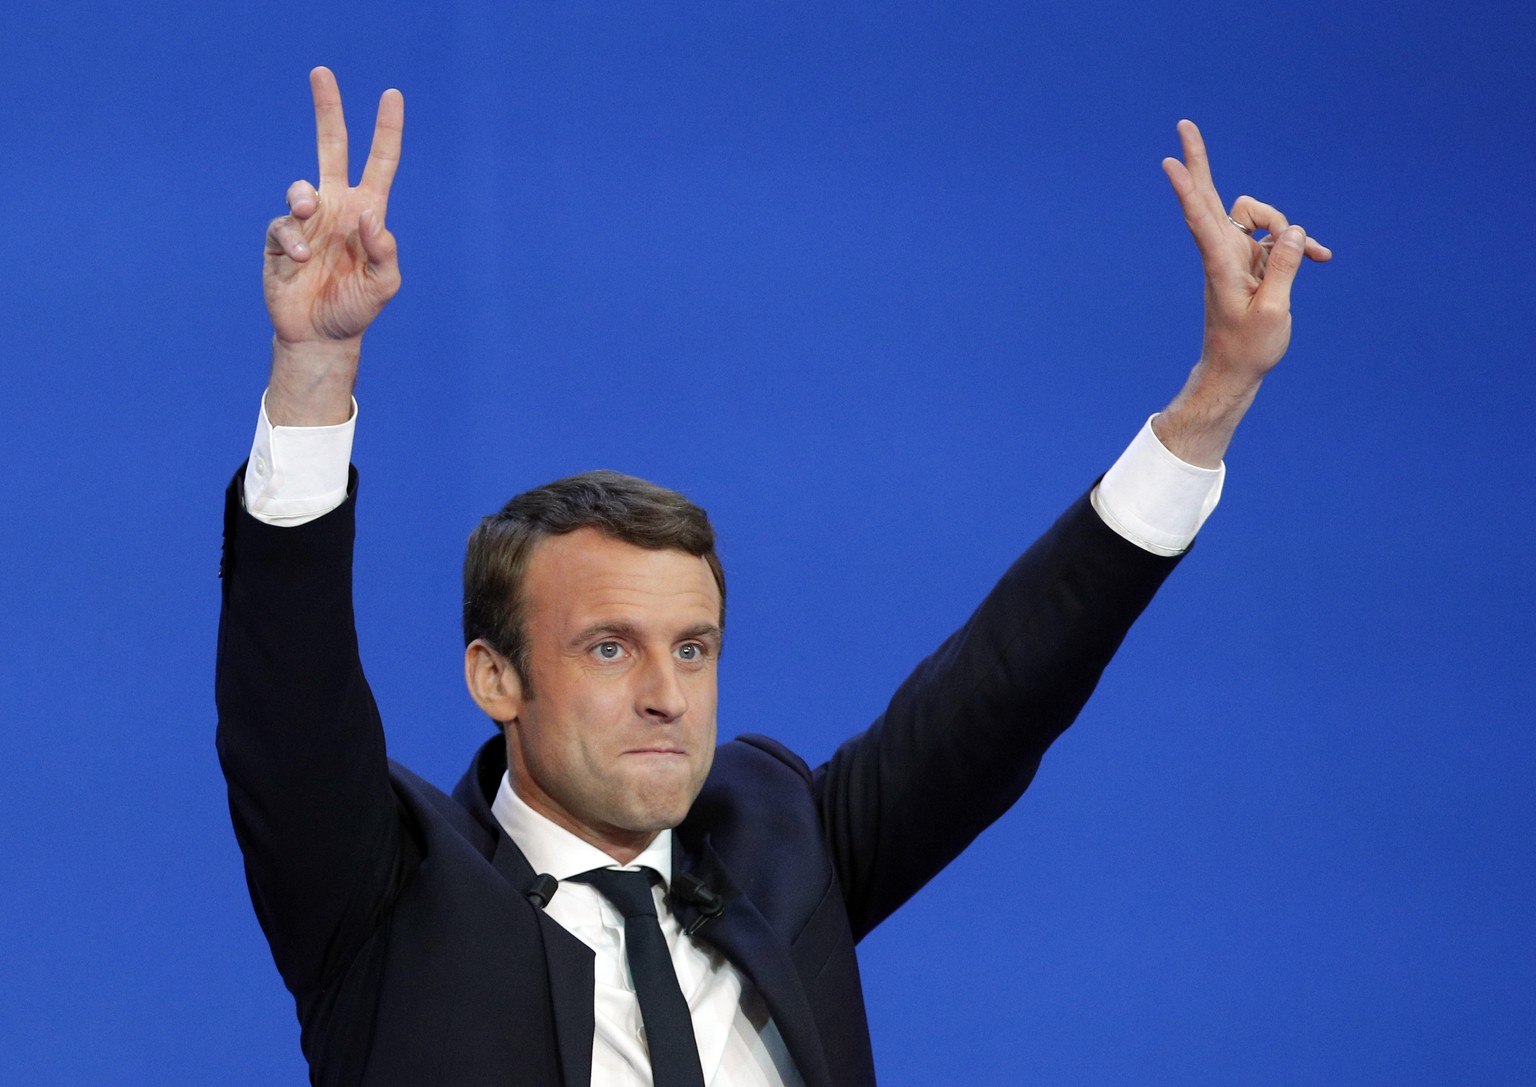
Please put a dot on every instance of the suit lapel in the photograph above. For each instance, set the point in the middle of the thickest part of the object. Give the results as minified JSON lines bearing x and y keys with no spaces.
{"x":571,"y":982}
{"x":744,"y":937}
{"x":568,"y":962}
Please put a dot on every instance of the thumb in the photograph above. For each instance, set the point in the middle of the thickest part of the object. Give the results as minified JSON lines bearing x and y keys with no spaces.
{"x":378,"y":243}
{"x":1280,"y":269}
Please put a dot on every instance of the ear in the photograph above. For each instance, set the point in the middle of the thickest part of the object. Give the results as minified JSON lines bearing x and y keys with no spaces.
{"x":492,"y":682}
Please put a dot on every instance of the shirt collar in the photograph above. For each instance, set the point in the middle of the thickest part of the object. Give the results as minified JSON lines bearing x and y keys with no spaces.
{"x":552,"y":849}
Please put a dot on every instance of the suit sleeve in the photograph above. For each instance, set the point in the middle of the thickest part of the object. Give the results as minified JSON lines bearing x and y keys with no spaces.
{"x":300,"y":743}
{"x":964,"y":734}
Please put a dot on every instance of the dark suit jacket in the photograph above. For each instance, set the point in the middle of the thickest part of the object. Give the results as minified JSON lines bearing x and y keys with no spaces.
{"x":397,"y":916}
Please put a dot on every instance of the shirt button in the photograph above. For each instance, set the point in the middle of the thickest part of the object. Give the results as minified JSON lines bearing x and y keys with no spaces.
{"x":261,"y":467}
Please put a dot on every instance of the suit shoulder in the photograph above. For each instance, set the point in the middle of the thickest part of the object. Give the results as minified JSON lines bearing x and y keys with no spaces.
{"x":759,"y":790}
{"x":754,"y":750}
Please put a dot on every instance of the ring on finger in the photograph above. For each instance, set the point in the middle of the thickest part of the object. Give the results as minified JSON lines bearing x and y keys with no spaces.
{"x":1248,"y":230}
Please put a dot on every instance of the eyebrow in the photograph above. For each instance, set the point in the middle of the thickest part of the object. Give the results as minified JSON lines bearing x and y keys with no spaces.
{"x":705,"y":631}
{"x":623,"y":629}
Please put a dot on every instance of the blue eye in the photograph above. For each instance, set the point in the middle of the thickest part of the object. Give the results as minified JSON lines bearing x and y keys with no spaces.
{"x":608,"y":651}
{"x":692,"y":651}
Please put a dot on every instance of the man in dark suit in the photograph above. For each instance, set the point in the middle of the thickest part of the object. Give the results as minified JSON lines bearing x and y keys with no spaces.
{"x":483,"y":937}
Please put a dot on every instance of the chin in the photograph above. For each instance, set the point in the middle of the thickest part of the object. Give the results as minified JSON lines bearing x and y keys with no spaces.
{"x":659,"y":811}
{"x":662,"y":817}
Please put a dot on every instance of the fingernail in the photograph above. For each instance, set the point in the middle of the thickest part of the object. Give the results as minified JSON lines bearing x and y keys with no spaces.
{"x":1296,"y":236}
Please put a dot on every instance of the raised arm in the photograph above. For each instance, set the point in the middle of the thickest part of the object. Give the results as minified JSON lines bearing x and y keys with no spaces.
{"x":330,"y":265}
{"x":964,"y":734}
{"x":299,"y":736}
{"x":1247,"y":305}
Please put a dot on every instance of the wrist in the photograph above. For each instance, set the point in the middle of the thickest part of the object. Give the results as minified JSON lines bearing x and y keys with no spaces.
{"x":311,"y":381}
{"x":1197,"y":427}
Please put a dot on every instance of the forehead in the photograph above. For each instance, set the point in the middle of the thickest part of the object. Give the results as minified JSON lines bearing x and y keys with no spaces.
{"x":587,"y":576}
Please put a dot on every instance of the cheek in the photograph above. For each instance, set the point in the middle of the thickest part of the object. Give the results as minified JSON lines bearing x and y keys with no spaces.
{"x":704,"y":731}
{"x":705,"y":704}
{"x":595,"y":727}
{"x":571,"y":732}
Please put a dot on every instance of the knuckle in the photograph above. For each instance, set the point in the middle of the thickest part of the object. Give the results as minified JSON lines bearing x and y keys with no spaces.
{"x":1284,"y":256}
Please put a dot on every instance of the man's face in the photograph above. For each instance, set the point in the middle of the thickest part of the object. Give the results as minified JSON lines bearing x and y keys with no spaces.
{"x":623,"y":648}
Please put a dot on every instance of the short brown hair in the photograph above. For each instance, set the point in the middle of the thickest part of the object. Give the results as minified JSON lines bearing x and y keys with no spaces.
{"x":624,"y":507}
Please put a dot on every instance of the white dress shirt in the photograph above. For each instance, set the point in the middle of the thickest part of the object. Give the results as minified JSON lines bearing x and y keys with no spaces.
{"x":739,"y":1045}
{"x":297,"y":474}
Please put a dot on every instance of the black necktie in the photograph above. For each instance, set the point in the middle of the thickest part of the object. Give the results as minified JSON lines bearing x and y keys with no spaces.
{"x":668,"y":1026}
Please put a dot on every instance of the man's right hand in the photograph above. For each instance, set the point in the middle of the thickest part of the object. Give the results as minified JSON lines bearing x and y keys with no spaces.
{"x":330,"y":265}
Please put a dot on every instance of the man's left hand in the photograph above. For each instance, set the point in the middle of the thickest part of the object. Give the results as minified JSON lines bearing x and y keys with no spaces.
{"x":1247,"y":304}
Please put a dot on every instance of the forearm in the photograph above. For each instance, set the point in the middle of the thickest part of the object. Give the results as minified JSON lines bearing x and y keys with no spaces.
{"x":297,"y":473}
{"x":1155,"y":499}
{"x":1197,"y":427}
{"x":311,"y":382}
{"x":965,"y":732}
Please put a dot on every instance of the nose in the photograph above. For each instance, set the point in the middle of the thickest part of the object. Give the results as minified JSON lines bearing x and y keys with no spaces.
{"x":661,"y":697}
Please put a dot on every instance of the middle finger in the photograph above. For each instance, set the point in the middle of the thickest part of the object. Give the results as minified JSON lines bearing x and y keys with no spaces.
{"x":1258,"y":215}
{"x":384,"y":155}
{"x":330,"y":128}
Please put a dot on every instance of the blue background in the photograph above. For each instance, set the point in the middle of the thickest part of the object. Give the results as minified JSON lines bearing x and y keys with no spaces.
{"x":884,"y":286}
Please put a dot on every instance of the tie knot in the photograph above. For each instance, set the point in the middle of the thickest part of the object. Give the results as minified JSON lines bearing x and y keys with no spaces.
{"x":630,"y":892}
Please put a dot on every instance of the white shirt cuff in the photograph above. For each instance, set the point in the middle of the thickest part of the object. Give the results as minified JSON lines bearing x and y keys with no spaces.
{"x":1154,"y":499}
{"x":297,"y":473}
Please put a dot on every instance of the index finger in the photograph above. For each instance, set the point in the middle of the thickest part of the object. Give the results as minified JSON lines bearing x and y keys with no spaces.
{"x":1208,"y":227}
{"x":330,"y":128}
{"x":1196,"y":160}
{"x":384,"y":155}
